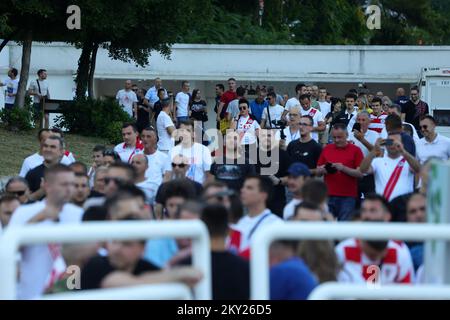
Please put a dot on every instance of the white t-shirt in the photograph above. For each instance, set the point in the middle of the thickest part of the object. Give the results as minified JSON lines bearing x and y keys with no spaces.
{"x":247,"y":227}
{"x":440,"y":148}
{"x":416,"y":138}
{"x":126,"y":100}
{"x":157,"y":163}
{"x":149,"y":188}
{"x":233,"y":108}
{"x":317,"y":117}
{"x":36,"y":159}
{"x":246,"y":127}
{"x":292,"y":102}
{"x":126,"y":153}
{"x":371,"y":136}
{"x":275,"y":113}
{"x":289,"y":209}
{"x":43,"y":84}
{"x":182,"y":102}
{"x":11,"y":86}
{"x":325,"y":107}
{"x":37,"y":260}
{"x":199,"y":160}
{"x":383,"y":167}
{"x":165,"y":142}
{"x":289,"y":135}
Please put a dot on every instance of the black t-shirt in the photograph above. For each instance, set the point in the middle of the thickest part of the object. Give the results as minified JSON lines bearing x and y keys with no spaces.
{"x":198,"y":110}
{"x":232,"y":173}
{"x":99,"y":267}
{"x":34,"y":177}
{"x":280,"y":166}
{"x":413,"y":112}
{"x":230,"y":276}
{"x":142,"y":115}
{"x":157,"y":108}
{"x":306,"y":152}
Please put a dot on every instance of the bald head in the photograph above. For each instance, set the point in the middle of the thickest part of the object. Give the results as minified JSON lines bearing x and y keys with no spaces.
{"x":140,"y":164}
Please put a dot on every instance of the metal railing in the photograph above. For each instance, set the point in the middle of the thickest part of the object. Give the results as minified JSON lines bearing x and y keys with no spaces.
{"x":334,"y":290}
{"x":166,"y":291}
{"x":259,"y":264}
{"x":14,"y":237}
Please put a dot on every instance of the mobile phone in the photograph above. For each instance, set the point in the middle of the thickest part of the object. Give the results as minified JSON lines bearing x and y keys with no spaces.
{"x":329,"y":168}
{"x":387,"y":142}
{"x":356,"y":126}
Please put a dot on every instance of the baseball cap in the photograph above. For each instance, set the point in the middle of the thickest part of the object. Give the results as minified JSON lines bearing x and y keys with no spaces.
{"x":298,"y":169}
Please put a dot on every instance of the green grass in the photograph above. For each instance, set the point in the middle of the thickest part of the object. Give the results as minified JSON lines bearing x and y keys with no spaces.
{"x":16,"y":146}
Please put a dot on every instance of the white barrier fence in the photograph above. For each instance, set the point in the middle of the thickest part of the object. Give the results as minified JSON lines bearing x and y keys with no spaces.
{"x":259,"y":264}
{"x":166,"y":291}
{"x":13,"y":238}
{"x":333,"y":290}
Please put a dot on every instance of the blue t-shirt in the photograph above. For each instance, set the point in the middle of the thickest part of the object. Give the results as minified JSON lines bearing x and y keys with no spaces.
{"x":291,"y":280}
{"x":160,"y":250}
{"x":257,"y":109}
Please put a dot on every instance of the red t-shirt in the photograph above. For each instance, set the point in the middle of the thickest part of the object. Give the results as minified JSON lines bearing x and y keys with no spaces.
{"x":340,"y":184}
{"x":226,"y":98}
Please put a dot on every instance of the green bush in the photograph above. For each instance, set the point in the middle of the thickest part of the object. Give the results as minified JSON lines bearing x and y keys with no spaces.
{"x":93,"y":117}
{"x":18,"y":118}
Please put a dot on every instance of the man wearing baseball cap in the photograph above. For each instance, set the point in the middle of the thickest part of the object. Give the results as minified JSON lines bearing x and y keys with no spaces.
{"x":298,"y":174}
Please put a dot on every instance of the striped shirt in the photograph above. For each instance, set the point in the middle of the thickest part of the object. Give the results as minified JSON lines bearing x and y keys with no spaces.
{"x":377,"y":122}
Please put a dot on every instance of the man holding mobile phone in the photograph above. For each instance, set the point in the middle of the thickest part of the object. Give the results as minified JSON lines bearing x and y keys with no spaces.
{"x":394,"y":173}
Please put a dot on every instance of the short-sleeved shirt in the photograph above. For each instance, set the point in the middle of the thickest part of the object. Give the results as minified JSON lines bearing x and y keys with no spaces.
{"x":34,"y":177}
{"x":275,"y":113}
{"x":126,"y":100}
{"x":291,"y":280}
{"x":258,"y":108}
{"x":325,"y":107}
{"x":152,"y":95}
{"x":413,"y":112}
{"x":97,"y":268}
{"x":371,"y":136}
{"x":305,"y":152}
{"x":156,"y":166}
{"x":383,"y":167}
{"x":126,"y":153}
{"x":182,"y":102}
{"x":11,"y":86}
{"x":292,"y":102}
{"x":199,"y":160}
{"x":246,"y":127}
{"x":233,"y":108}
{"x":43,"y":85}
{"x":226,"y":98}
{"x":377,"y":122}
{"x":340,"y":184}
{"x":439,"y":148}
{"x":165,"y":142}
{"x":149,"y":188}
{"x":317,"y":117}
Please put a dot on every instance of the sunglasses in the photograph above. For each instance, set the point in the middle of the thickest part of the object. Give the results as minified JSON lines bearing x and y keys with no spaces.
{"x":17,"y":193}
{"x":179,"y":165}
{"x":117,"y":181}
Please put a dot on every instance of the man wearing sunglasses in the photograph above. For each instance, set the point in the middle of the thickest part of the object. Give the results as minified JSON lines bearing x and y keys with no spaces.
{"x":18,"y":186}
{"x":432,"y":144}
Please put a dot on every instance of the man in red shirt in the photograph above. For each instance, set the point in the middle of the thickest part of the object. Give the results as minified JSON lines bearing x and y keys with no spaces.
{"x":225,"y":99}
{"x":339,"y":162}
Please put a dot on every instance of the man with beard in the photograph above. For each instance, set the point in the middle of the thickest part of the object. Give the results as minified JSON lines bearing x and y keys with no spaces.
{"x":382,"y":262}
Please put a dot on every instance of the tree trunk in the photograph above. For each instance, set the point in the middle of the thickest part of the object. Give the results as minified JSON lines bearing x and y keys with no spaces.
{"x":83,"y":70}
{"x":92,"y":71}
{"x":4,"y":43}
{"x":24,"y":70}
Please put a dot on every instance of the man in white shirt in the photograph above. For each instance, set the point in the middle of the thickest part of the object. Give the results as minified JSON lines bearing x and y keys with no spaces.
{"x":199,"y":156}
{"x":245,"y":125}
{"x":149,"y":187}
{"x":165,"y":128}
{"x":182,"y":102}
{"x":394,"y":173}
{"x":292,"y":131}
{"x":131,"y":144}
{"x":37,"y":261}
{"x":325,"y":106}
{"x":300,"y":89}
{"x":272,"y":113}
{"x":364,"y":138}
{"x":255,"y":195}
{"x":432,"y":144}
{"x":12,"y":84}
{"x":152,"y":94}
{"x":127,"y":99}
{"x":157,"y":160}
{"x":396,"y":109}
{"x":307,"y":110}
{"x":298,"y":174}
{"x":37,"y":159}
